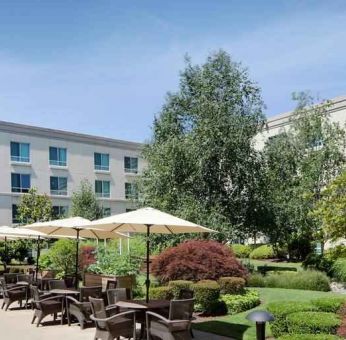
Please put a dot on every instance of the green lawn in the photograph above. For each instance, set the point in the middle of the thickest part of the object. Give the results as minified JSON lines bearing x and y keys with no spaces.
{"x":256,"y":263}
{"x":237,"y":327}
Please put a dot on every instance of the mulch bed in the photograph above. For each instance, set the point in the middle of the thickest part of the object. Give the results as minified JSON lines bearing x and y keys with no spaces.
{"x":342,"y":329}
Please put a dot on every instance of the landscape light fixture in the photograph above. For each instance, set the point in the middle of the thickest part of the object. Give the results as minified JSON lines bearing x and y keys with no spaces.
{"x":260,"y":317}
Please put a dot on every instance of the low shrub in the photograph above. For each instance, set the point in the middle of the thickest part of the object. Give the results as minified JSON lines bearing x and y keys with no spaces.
{"x":281,"y":310}
{"x":206,"y":295}
{"x":178,"y":285}
{"x":306,"y":280}
{"x":256,"y":280}
{"x":338,"y":252}
{"x":197,"y":260}
{"x":330,"y":304}
{"x":309,"y":337}
{"x":160,"y":293}
{"x":241,"y":302}
{"x":339,"y":270}
{"x":231,"y":285}
{"x":241,"y":250}
{"x":318,"y":262}
{"x":313,"y":322}
{"x":263,"y":252}
{"x":264,"y":269}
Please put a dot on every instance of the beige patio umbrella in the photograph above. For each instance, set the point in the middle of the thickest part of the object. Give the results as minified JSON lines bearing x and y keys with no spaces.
{"x":73,"y":226}
{"x":11,"y":233}
{"x":148,"y":220}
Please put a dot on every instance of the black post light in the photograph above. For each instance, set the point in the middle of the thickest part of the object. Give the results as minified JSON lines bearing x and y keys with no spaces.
{"x":260,"y":317}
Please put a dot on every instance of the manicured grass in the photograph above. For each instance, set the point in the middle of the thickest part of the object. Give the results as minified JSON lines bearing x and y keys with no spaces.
{"x":256,"y":263}
{"x":237,"y":327}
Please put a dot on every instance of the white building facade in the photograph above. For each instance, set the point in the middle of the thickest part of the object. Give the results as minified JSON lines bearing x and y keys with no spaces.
{"x":279,"y":123}
{"x":55,"y":162}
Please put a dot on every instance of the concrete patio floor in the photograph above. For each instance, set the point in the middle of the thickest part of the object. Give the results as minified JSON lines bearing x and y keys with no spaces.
{"x":16,"y":324}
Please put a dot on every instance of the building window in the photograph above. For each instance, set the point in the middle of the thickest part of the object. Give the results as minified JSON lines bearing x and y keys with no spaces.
{"x":131,"y":191}
{"x":106,"y":212}
{"x":20,"y":182}
{"x":15,"y":213}
{"x":131,"y":165}
{"x":57,"y":156}
{"x":60,"y":211}
{"x":102,"y":188}
{"x":58,"y":185}
{"x":101,"y":161}
{"x":20,"y":152}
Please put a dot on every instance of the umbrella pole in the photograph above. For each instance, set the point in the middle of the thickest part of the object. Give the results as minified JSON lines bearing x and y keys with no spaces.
{"x":37,"y":256}
{"x":5,"y":253}
{"x":147,"y":281}
{"x":76,"y":269}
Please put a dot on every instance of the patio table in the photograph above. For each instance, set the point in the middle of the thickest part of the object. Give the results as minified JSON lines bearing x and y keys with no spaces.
{"x":65,"y":293}
{"x":141,"y":306}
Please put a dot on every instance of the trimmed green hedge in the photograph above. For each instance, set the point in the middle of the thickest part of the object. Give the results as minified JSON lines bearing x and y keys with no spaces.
{"x":177,"y":285}
{"x":263,"y":252}
{"x":231,"y":285}
{"x":206,"y":293}
{"x":265,"y":269}
{"x":330,"y":304}
{"x":241,"y":250}
{"x":281,"y":310}
{"x":160,"y":293}
{"x":241,"y":302}
{"x":309,"y":337}
{"x":313,"y":322}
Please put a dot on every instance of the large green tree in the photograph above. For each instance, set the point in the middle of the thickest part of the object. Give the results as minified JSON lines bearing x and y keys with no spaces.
{"x":201,"y":162}
{"x":84,"y":202}
{"x":300,"y":162}
{"x":34,"y":207}
{"x":331,"y":208}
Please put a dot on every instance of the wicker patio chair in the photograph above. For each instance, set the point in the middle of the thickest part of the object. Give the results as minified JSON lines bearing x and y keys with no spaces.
{"x":82,"y":309}
{"x":12,"y":294}
{"x":24,"y":278}
{"x":111,"y":284}
{"x":57,"y":284}
{"x":44,"y":305}
{"x":115,"y":295}
{"x":111,"y":327}
{"x":178,"y":324}
{"x":10,"y":279}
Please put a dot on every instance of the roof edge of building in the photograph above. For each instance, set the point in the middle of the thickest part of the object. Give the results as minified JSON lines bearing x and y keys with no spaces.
{"x":37,"y":131}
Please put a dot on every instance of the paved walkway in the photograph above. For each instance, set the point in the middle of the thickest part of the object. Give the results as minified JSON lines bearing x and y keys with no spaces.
{"x":16,"y":325}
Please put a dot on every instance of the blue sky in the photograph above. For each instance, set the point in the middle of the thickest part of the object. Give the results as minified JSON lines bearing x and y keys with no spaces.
{"x":104,"y":67}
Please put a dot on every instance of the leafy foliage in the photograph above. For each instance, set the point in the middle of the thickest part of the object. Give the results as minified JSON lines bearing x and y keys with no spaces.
{"x":306,"y":280}
{"x":201,"y":162}
{"x":34,"y":207}
{"x":299,"y":163}
{"x":86,"y":256}
{"x":331,"y":208}
{"x":196,"y":260}
{"x":241,"y":250}
{"x":263,"y":252}
{"x":178,"y":285}
{"x":339,"y":270}
{"x":206,"y":294}
{"x":63,"y":257}
{"x":330,"y":304}
{"x":161,"y":293}
{"x":231,"y":285}
{"x":110,"y":262}
{"x":84,"y":202}
{"x":237,"y":303}
{"x":309,"y":337}
{"x":313,"y":322}
{"x":281,"y":310}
